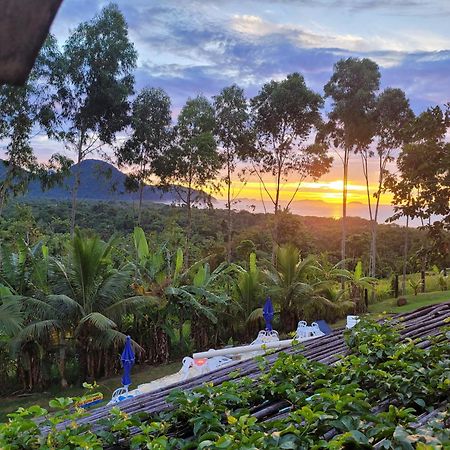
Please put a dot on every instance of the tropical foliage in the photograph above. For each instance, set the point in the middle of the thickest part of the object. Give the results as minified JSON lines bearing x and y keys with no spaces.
{"x":329,"y":407}
{"x":66,"y":312}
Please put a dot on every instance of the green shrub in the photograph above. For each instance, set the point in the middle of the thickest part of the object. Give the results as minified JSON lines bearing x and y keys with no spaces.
{"x":336,"y":402}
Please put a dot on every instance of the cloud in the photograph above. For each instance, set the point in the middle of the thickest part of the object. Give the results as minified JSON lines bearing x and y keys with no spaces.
{"x":199,"y":47}
{"x":255,"y":27}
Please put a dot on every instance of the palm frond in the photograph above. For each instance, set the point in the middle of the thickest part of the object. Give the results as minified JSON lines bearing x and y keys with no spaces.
{"x":38,"y":330}
{"x":255,"y":315}
{"x":11,"y":316}
{"x":129,"y":304}
{"x":64,"y":305}
{"x":112,"y":337}
{"x":97,"y":321}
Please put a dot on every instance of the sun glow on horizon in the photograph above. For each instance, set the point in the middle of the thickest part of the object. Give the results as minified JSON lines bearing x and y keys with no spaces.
{"x":321,"y":191}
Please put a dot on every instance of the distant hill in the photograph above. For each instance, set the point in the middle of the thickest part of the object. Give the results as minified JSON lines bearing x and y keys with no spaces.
{"x":99,"y":181}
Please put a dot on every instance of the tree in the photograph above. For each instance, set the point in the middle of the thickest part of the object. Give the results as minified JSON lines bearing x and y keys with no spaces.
{"x":193,"y":161}
{"x":85,"y":306}
{"x":351,"y":126}
{"x":284,"y":114}
{"x":151,"y":134}
{"x":176,"y":294}
{"x":358,"y":284}
{"x":421,"y":188}
{"x":292,"y":285}
{"x":234,"y":137}
{"x":393,"y":116}
{"x":11,"y":312}
{"x":24,"y":112}
{"x":93,"y":80}
{"x":248,"y":291}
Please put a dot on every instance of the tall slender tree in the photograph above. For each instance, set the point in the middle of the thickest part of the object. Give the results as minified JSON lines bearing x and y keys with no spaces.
{"x":284,"y":115}
{"x":93,"y":79}
{"x":151,"y":135}
{"x":25,"y":112}
{"x":193,"y":162}
{"x":393,"y":116}
{"x":234,"y":138}
{"x":351,"y":126}
{"x":421,"y":187}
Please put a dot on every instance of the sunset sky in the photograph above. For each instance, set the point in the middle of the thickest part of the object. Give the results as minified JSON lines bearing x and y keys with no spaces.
{"x":189,"y":47}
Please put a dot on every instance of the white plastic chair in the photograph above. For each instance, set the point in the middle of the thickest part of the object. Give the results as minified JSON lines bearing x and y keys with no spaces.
{"x":265,"y":336}
{"x":304,"y":331}
{"x":122,"y":393}
{"x":352,"y":321}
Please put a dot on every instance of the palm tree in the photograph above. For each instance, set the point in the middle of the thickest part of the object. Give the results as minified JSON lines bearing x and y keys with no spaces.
{"x":11,"y":313}
{"x":358,"y":284}
{"x":290,"y":284}
{"x":248,"y":293}
{"x":20,"y":272}
{"x":86,"y":307}
{"x":299,"y":287}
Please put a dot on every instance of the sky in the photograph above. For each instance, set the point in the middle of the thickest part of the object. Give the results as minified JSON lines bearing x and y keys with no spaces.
{"x":191,"y":47}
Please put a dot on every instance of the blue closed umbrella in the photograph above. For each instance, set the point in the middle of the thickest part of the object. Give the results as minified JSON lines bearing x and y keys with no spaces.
{"x":127,"y":359}
{"x":268,"y":313}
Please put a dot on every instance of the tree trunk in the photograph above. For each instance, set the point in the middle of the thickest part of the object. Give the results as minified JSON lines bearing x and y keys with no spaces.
{"x":275,"y":218}
{"x":62,"y":361}
{"x":373,"y":249}
{"x":344,"y":215}
{"x":141,"y":193}
{"x":76,"y":186}
{"x":405,"y":256}
{"x":344,"y":210}
{"x":2,"y":202}
{"x":159,"y":349}
{"x":288,"y":319}
{"x":189,"y":227}
{"x":200,"y":333}
{"x":230,"y":225}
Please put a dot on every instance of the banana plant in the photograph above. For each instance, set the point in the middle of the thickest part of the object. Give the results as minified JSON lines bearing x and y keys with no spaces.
{"x":180,"y":294}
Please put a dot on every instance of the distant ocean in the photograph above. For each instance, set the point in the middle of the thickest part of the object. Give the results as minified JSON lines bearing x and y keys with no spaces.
{"x":318,"y":208}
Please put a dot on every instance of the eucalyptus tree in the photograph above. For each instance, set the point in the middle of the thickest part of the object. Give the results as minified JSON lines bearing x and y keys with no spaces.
{"x":25,"y":112}
{"x":234,"y":138}
{"x":192,"y":163}
{"x":393,"y":116}
{"x":351,"y":126}
{"x":93,"y":80}
{"x":421,"y":187}
{"x":284,"y":114}
{"x":151,"y":135}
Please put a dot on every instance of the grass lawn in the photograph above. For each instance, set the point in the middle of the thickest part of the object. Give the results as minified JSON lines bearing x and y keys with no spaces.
{"x":389,"y":306}
{"x":139,"y":375}
{"x":414,"y":302}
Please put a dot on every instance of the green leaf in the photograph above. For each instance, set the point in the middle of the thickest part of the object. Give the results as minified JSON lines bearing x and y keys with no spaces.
{"x":140,"y":243}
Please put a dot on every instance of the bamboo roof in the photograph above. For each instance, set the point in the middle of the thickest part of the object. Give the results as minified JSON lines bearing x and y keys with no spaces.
{"x":419,"y":325}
